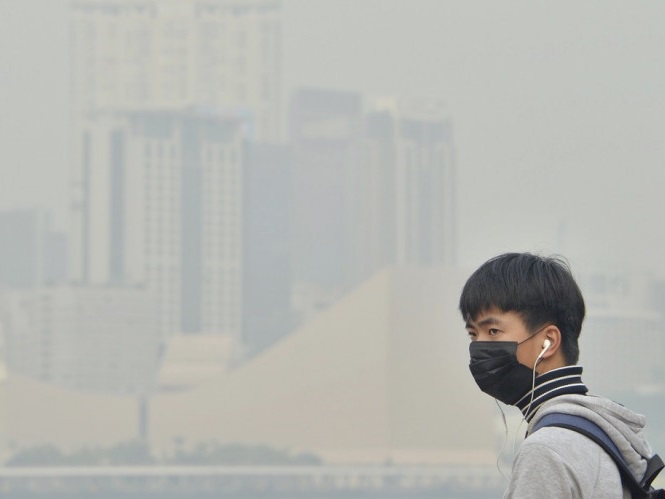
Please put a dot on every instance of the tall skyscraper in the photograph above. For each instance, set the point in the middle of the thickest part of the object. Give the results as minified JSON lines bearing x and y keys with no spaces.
{"x":372,"y":188}
{"x":156,"y":54}
{"x":410,"y":175}
{"x":160,"y":203}
{"x":326,"y":129}
{"x":267,"y":246}
{"x":159,"y":89}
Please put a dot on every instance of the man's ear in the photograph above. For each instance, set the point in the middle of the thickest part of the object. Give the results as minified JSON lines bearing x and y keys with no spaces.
{"x":552,"y":341}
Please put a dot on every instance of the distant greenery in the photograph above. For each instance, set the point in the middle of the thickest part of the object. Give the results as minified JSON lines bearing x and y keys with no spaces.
{"x":125,"y":453}
{"x":239,"y":454}
{"x":138,"y":453}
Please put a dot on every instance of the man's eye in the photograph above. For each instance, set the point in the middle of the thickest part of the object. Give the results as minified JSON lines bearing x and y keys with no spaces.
{"x":493,"y":332}
{"x":472,"y":335}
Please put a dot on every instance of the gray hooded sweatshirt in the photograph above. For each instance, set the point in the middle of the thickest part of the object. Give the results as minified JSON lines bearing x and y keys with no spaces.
{"x":555,"y":463}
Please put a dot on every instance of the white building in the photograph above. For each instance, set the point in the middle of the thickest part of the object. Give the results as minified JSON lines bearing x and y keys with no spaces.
{"x":85,"y":338}
{"x":622,"y":351}
{"x":177,"y":53}
{"x":160,"y":203}
{"x":623,"y":340}
{"x":157,"y":185}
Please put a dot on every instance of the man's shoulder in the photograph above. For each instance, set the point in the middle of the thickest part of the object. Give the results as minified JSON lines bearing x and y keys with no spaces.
{"x":568,"y":462}
{"x":570,"y":456}
{"x":562,"y":441}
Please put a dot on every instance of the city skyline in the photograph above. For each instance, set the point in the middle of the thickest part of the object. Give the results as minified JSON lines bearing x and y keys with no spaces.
{"x":251,"y":219}
{"x":166,"y":182}
{"x":615,"y":123}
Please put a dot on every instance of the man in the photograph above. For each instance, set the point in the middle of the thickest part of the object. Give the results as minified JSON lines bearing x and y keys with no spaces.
{"x":523,"y":315}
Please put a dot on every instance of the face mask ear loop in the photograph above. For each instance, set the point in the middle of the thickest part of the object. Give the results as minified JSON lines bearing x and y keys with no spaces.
{"x":505,"y":441}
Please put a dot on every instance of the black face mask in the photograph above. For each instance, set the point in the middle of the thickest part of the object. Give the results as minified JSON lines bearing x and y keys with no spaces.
{"x":497,"y":371}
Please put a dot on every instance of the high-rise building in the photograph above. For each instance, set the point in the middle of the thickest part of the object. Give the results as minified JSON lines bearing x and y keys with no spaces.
{"x":160,"y":203}
{"x":156,"y":54}
{"x":158,"y":190}
{"x":371,"y":189}
{"x":325,"y":131}
{"x":267,"y":246}
{"x":410,"y":174}
{"x":623,"y":316}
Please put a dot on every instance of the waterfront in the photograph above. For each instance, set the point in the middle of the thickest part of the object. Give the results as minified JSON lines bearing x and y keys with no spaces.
{"x":200,"y":482}
{"x":103,"y":494}
{"x":443,"y":494}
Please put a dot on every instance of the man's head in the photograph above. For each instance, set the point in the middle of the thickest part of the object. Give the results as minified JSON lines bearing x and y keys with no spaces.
{"x":539,"y":290}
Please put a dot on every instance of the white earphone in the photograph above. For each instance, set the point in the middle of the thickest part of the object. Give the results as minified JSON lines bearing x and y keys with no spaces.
{"x":546,"y":345}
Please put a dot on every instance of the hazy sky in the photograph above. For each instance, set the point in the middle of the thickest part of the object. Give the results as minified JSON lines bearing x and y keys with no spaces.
{"x":558,"y":109}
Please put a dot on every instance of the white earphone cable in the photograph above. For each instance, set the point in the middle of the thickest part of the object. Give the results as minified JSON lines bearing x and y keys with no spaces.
{"x":533,"y":389}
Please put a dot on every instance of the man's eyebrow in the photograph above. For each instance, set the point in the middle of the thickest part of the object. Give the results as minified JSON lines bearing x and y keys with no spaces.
{"x":488,"y":321}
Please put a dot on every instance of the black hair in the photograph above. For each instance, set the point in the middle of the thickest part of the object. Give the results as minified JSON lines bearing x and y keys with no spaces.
{"x":540,"y":289}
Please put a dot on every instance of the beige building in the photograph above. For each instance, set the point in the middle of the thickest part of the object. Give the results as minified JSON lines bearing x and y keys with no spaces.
{"x":381,"y":375}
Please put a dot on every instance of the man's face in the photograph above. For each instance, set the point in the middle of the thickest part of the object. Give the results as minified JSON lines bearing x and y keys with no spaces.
{"x":495,"y":325}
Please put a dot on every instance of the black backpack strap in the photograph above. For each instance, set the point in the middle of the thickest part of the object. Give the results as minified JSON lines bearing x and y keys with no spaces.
{"x":595,"y":433}
{"x":654,"y":466}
